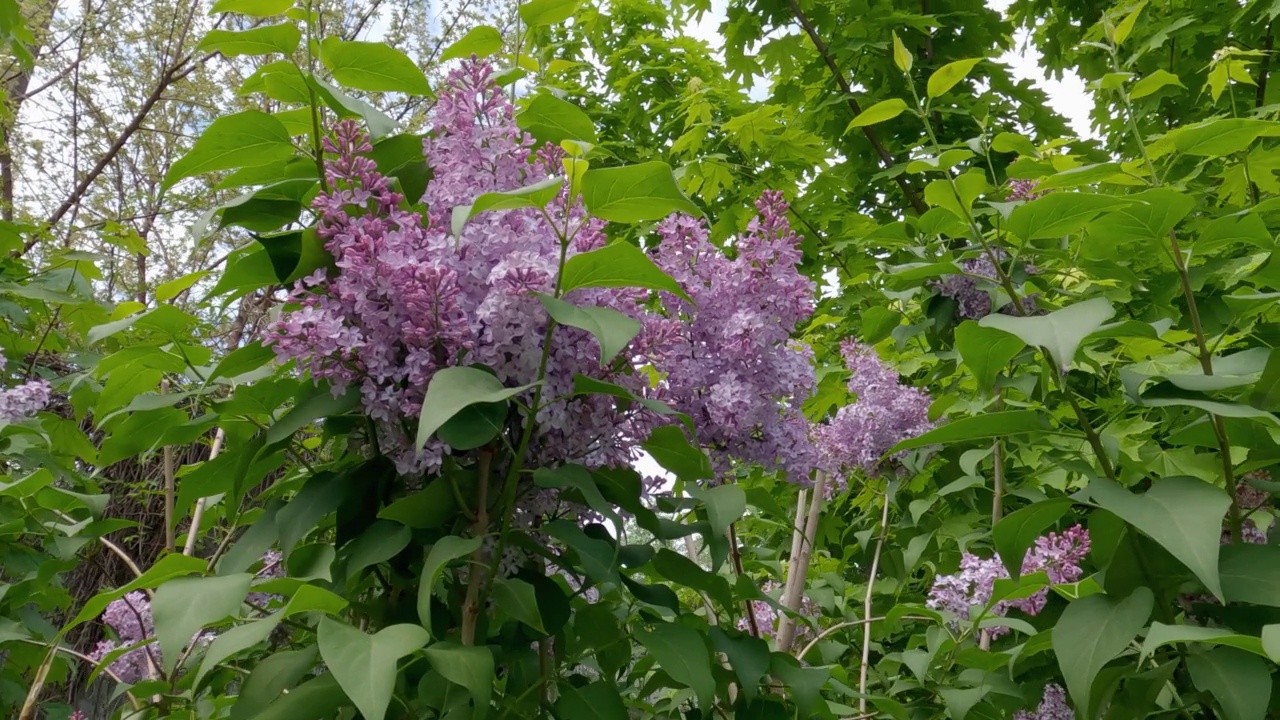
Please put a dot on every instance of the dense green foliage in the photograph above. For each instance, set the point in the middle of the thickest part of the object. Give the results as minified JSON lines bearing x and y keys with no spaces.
{"x":1093,"y":322}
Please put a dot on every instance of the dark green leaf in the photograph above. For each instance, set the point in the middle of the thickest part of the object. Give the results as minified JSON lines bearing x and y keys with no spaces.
{"x":365,"y":665}
{"x":986,"y":351}
{"x":1239,"y":681}
{"x":617,"y":264}
{"x":444,"y":551}
{"x":454,"y":388}
{"x":673,"y":451}
{"x":635,"y":193}
{"x":612,"y":329}
{"x":996,"y":424}
{"x":470,"y":667}
{"x":1091,"y":632}
{"x":1018,"y":530}
{"x":517,"y":599}
{"x":549,"y":119}
{"x":682,"y":652}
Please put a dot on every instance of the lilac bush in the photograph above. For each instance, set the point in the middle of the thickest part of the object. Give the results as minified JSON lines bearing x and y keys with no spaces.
{"x":1053,"y":706}
{"x":971,"y":291}
{"x":408,"y":298}
{"x":130,"y":618}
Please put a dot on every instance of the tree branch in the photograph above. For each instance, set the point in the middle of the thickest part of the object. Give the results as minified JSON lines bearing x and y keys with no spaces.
{"x":886,"y":159}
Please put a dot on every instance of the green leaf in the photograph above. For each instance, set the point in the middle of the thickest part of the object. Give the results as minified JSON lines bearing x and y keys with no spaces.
{"x":682,"y":653}
{"x":1080,"y":176}
{"x":1250,"y":573}
{"x":1182,"y":514}
{"x":247,"y":138}
{"x":1240,"y":682}
{"x":878,"y":323}
{"x":1161,"y":634}
{"x":444,"y":551}
{"x":254,"y":8}
{"x":1150,"y":218}
{"x":1091,"y":632}
{"x":242,"y":360}
{"x":901,"y":55}
{"x":319,"y":403}
{"x":1266,"y":391}
{"x":594,"y":556}
{"x":612,"y":329}
{"x":532,"y":196}
{"x":1058,"y":214}
{"x":725,"y":505}
{"x":183,"y":606}
{"x":169,"y":290}
{"x":315,"y":699}
{"x":671,"y":448}
{"x":1225,"y":136}
{"x":481,"y":41}
{"x":1153,"y":82}
{"x":365,"y":665}
{"x":167,"y":567}
{"x":382,"y":541}
{"x":428,"y":508}
{"x":878,"y":113}
{"x":986,"y":351}
{"x":748,"y":656}
{"x":470,"y":667}
{"x":946,"y":77}
{"x":537,"y":13}
{"x":979,"y":427}
{"x":598,"y":700}
{"x":635,"y":193}
{"x":274,"y":675}
{"x":1060,"y":332}
{"x":372,"y":66}
{"x":266,"y":40}
{"x":1019,"y":530}
{"x":453,"y":389}
{"x":380,"y":126}
{"x":237,"y":639}
{"x":618,"y":264}
{"x":549,"y":119}
{"x":517,"y":599}
{"x":576,"y":477}
{"x":1126,"y":25}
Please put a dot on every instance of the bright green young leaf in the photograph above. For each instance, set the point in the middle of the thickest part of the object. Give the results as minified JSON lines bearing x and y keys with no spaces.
{"x":365,"y":665}
{"x":1239,"y":681}
{"x":254,"y":8}
{"x":470,"y":667}
{"x":946,"y":77}
{"x":481,"y":41}
{"x":265,"y":40}
{"x":372,"y":66}
{"x":1079,"y":176}
{"x":537,"y":13}
{"x":1060,"y":332}
{"x":634,"y":193}
{"x":986,"y":351}
{"x":1091,"y":632}
{"x":169,"y":290}
{"x":444,"y":551}
{"x":1222,"y":137}
{"x":1182,"y":514}
{"x":878,"y":113}
{"x":1019,"y":530}
{"x":517,"y":599}
{"x":1155,"y":81}
{"x":612,"y":329}
{"x":618,"y":264}
{"x":183,"y":606}
{"x":246,"y":138}
{"x":901,"y":55}
{"x":980,"y":427}
{"x":532,"y":196}
{"x":682,"y":652}
{"x":549,"y":119}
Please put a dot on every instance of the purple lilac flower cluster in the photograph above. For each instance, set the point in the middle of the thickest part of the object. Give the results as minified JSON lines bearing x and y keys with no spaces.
{"x":971,"y":291}
{"x":24,"y":400}
{"x":766,"y":616}
{"x":1024,"y":189}
{"x":1053,"y":706}
{"x":727,"y":359}
{"x":409,"y":298}
{"x":1057,"y":555}
{"x":130,"y":618}
{"x":886,"y":412}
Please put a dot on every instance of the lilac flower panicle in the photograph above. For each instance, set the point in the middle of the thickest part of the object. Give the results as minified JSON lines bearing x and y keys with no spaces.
{"x":77,"y":715}
{"x":885,"y":413}
{"x":1053,"y":706}
{"x":130,"y":618}
{"x":1057,"y":555}
{"x":1249,"y":497}
{"x":272,"y":568}
{"x":1024,"y":190}
{"x":407,"y":298}
{"x":971,"y":294}
{"x":24,"y":400}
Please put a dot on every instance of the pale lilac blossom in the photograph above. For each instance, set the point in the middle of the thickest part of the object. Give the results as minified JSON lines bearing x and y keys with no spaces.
{"x":24,"y":400}
{"x":1057,"y":555}
{"x":1053,"y":706}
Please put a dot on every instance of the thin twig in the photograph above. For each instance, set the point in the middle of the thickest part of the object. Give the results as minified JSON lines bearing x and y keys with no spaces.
{"x":197,"y":512}
{"x":798,"y":570}
{"x":866,"y":606}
